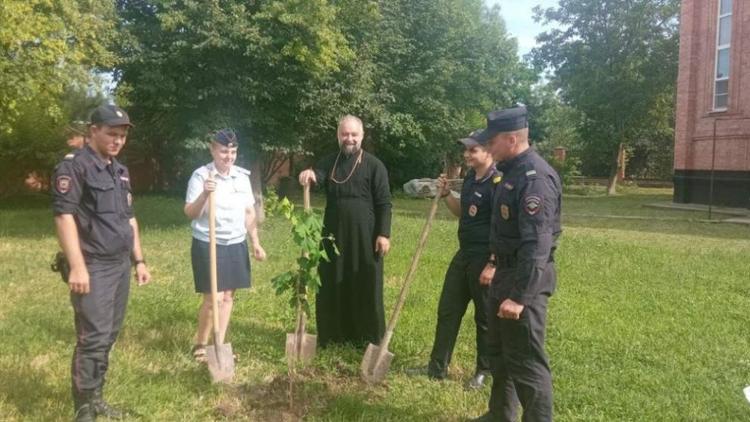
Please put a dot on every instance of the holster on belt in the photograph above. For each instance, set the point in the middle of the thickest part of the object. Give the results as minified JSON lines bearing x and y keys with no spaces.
{"x":60,"y":265}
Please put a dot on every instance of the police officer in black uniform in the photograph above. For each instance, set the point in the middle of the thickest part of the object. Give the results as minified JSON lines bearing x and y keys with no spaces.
{"x":523,"y":238}
{"x":92,"y":204}
{"x":461,"y":284}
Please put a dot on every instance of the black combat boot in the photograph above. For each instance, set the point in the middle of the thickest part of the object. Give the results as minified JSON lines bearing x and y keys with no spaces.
{"x":102,"y":408}
{"x":83,"y":407}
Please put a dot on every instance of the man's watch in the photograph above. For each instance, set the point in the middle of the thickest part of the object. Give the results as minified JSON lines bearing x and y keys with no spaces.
{"x":139,"y":261}
{"x":492,"y":262}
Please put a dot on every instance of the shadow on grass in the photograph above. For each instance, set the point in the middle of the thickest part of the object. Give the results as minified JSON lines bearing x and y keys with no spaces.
{"x":28,"y":390}
{"x":315,"y":394}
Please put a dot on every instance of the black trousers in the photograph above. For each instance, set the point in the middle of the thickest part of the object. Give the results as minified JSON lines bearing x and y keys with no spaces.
{"x":519,"y":362}
{"x":460,"y":287}
{"x":98,"y":318}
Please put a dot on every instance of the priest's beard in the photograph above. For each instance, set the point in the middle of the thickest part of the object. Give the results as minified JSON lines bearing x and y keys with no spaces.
{"x":349,"y":150}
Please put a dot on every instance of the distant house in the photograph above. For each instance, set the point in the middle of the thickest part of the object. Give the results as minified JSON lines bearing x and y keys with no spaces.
{"x":712,"y":140}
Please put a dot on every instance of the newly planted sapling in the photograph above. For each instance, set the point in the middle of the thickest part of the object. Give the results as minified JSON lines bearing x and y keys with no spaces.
{"x":303,"y":279}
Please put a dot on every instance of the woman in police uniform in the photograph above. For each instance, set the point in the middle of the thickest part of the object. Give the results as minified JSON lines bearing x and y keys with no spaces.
{"x":235,"y":220}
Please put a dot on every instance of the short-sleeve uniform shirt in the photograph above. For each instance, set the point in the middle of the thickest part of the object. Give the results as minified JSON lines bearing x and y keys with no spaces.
{"x":233,"y":196}
{"x":98,"y":195}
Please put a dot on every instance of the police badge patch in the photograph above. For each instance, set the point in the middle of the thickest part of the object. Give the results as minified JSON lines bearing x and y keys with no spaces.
{"x":473,"y":210}
{"x":504,"y":212}
{"x":532,"y":204}
{"x":62,"y":184}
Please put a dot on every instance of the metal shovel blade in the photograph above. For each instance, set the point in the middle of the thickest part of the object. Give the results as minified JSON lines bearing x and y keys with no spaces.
{"x":373,"y":370}
{"x":304,"y":352}
{"x":220,"y":362}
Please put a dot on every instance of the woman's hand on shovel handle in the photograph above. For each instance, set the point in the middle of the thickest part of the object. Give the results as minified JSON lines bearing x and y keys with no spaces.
{"x":78,"y":281}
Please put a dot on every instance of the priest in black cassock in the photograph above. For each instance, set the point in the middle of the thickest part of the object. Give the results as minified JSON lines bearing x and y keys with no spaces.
{"x":349,"y":305}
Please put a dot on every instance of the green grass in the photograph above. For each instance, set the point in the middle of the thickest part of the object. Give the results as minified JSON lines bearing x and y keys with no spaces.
{"x":650,"y":322}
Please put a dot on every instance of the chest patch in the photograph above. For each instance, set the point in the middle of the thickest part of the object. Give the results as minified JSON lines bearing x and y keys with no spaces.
{"x":472,"y":210}
{"x":508,"y":186}
{"x":532,"y":204}
{"x":504,"y":212}
{"x":62,"y":184}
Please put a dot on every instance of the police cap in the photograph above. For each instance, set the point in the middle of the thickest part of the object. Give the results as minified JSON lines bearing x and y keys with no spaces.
{"x":110,"y":115}
{"x":226,"y":137}
{"x":499,"y":121}
{"x":470,"y":141}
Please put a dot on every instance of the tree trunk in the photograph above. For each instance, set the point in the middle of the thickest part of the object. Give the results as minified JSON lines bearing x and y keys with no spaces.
{"x":617,"y":169}
{"x":256,"y":170}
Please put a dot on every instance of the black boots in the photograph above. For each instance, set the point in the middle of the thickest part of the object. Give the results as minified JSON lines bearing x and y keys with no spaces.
{"x":83,"y":407}
{"x":102,"y":408}
{"x":90,"y":404}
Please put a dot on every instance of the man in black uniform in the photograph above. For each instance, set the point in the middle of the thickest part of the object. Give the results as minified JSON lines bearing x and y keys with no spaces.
{"x":461,"y":284}
{"x":523,"y":236}
{"x":92,"y":203}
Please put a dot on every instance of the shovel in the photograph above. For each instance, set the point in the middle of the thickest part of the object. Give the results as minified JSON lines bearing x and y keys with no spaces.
{"x":377,"y":359}
{"x":300,"y":346}
{"x":220,"y":357}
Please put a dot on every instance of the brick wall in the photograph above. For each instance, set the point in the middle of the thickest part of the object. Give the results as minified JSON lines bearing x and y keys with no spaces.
{"x":705,"y":138}
{"x":695,"y":116}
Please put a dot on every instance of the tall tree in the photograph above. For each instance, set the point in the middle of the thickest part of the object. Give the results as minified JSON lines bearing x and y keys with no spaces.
{"x":50,"y":51}
{"x":615,"y":61}
{"x":421,"y":73}
{"x":424,"y":74}
{"x":190,"y":67}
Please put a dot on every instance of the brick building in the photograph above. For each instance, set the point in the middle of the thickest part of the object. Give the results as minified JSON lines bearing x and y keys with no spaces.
{"x":712,"y":139}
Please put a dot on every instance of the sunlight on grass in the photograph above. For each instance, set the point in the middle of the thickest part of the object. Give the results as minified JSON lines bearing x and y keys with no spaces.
{"x":650,"y":322}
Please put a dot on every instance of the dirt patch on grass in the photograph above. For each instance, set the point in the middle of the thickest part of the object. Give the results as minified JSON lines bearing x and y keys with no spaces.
{"x":269,"y":399}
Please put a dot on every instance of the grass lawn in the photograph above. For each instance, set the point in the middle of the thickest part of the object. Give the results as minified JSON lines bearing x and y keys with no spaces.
{"x":651,"y":321}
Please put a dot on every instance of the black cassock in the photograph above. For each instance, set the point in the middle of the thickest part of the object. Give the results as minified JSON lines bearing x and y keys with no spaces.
{"x":349,"y":305}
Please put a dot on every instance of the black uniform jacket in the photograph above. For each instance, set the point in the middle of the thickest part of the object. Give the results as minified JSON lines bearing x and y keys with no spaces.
{"x":525,"y":227}
{"x":99,"y":197}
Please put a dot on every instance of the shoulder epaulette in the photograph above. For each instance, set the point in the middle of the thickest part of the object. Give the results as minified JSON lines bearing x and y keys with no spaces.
{"x":242,"y":170}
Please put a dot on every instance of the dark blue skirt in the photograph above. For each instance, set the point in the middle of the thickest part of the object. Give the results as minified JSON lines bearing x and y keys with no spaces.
{"x":232,"y":266}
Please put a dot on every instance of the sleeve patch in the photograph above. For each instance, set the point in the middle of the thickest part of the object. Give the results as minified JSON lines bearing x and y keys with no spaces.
{"x":532,"y":204}
{"x":62,"y":184}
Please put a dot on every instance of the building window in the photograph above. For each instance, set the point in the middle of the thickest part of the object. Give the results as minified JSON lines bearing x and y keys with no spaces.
{"x":723,"y":42}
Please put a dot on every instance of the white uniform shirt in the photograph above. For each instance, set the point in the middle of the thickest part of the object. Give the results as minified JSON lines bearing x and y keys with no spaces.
{"x":233,"y":196}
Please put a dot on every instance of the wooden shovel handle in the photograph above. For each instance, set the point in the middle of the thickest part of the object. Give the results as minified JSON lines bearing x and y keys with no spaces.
{"x":306,"y":196}
{"x":409,"y":275}
{"x":301,"y":319}
{"x":212,"y":262}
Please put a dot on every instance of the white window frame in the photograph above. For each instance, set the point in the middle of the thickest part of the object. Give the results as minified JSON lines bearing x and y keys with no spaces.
{"x":719,"y":48}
